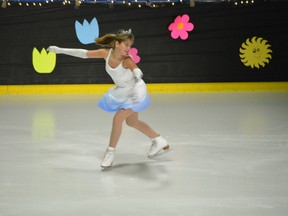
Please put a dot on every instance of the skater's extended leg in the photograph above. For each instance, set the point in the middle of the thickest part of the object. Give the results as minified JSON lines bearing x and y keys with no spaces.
{"x":133,"y":121}
{"x":159,"y":144}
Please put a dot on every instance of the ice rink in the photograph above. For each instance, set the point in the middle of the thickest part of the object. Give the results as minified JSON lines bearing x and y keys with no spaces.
{"x":229,"y":157}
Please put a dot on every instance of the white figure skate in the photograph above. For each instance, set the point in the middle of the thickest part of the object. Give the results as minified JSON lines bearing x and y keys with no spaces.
{"x":159,"y":146}
{"x":107,"y":161}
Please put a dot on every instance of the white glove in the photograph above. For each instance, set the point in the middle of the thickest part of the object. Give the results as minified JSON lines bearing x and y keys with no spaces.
{"x":80,"y":53}
{"x":137,"y":73}
{"x":54,"y":49}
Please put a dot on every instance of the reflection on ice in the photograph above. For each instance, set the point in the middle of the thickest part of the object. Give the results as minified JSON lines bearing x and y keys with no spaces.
{"x":43,"y":126}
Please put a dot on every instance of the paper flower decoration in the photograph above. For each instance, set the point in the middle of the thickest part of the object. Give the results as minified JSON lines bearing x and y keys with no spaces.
{"x":43,"y":62}
{"x":133,"y":52}
{"x":87,"y":32}
{"x":180,"y":27}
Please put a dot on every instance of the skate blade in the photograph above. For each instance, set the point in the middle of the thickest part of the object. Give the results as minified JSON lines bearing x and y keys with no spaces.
{"x":164,"y":150}
{"x":106,"y":167}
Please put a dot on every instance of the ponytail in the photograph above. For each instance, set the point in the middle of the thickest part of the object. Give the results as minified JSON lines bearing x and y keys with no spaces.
{"x":108,"y":40}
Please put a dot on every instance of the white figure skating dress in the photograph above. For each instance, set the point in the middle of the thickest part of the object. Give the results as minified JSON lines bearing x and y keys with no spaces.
{"x":127,"y":94}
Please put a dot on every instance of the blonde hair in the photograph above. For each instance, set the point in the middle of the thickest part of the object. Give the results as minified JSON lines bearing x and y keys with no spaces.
{"x":108,"y":40}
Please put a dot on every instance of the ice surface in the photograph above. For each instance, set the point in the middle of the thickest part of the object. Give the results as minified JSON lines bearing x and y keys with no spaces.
{"x":229,"y":158}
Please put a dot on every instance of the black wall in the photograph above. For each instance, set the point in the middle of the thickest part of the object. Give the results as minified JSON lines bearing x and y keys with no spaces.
{"x":210,"y":54}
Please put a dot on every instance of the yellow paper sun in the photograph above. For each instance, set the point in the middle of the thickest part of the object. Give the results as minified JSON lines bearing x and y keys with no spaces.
{"x":255,"y":52}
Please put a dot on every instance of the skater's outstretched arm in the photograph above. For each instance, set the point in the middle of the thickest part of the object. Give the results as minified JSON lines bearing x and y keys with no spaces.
{"x":79,"y":53}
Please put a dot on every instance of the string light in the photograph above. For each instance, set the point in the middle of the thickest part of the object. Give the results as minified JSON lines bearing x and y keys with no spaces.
{"x":242,"y":3}
{"x":65,"y":2}
{"x":137,"y":3}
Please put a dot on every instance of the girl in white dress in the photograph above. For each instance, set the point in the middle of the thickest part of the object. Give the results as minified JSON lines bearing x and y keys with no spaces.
{"x":128,"y":97}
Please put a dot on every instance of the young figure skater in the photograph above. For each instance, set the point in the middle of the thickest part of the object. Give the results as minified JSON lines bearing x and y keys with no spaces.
{"x":128,"y":97}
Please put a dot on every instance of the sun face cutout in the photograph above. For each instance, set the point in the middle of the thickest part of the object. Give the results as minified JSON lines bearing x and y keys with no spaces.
{"x":255,"y":52}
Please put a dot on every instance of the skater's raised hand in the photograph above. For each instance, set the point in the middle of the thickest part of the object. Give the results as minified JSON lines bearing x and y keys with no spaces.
{"x":137,"y":74}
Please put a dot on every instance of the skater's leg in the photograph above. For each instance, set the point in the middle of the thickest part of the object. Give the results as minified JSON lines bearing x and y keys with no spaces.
{"x":159,"y":144}
{"x":118,"y":119}
{"x":133,"y":121}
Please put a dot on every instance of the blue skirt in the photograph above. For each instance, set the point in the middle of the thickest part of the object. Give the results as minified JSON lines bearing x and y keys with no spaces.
{"x":131,"y":97}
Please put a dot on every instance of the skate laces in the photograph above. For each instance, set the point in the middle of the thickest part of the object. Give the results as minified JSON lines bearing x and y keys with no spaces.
{"x":108,"y":154}
{"x":154,"y":144}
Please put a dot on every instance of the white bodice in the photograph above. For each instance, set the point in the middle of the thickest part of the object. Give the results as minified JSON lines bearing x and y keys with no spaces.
{"x":121,"y":76}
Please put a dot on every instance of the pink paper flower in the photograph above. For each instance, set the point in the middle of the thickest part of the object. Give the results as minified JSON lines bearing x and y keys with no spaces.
{"x":133,"y":52}
{"x":180,"y":27}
